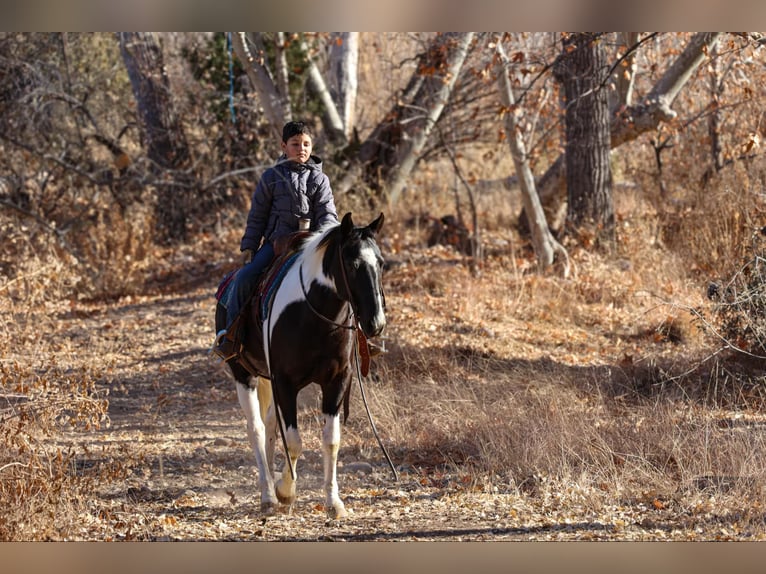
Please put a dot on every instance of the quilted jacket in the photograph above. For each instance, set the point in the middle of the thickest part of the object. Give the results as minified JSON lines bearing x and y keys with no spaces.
{"x":287,"y":192}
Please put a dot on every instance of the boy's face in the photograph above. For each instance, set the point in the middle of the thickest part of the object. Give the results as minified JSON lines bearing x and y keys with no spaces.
{"x":298,"y":148}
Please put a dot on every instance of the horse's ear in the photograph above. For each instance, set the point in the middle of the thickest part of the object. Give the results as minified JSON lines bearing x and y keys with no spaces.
{"x":346,"y":225}
{"x":377,"y":224}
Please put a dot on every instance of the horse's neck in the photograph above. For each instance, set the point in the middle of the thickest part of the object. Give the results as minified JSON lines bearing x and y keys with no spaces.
{"x":313,"y":265}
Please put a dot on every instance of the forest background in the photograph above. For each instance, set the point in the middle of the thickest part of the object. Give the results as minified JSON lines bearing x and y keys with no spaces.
{"x":574,"y":227}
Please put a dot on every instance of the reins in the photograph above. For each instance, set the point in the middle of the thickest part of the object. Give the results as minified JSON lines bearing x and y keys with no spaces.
{"x":317,"y":313}
{"x":275,"y":398}
{"x":369,"y":415}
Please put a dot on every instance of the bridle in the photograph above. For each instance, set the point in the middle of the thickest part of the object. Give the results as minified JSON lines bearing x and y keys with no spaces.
{"x":353,"y":313}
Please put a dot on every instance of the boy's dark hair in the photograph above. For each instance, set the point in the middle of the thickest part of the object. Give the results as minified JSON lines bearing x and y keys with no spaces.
{"x":295,"y":128}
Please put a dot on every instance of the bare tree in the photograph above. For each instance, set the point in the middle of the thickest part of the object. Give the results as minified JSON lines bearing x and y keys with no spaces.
{"x":272,"y":92}
{"x":636,"y":119}
{"x":624,"y":76}
{"x":427,"y":111}
{"x":582,"y":71}
{"x":543,"y":242}
{"x":344,"y":63}
{"x":333,"y":122}
{"x":164,"y":137}
{"x":714,"y":119}
{"x":271,"y":82}
{"x":389,"y":154}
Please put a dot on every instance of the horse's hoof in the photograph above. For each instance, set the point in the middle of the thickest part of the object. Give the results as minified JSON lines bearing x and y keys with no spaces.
{"x":268,"y":508}
{"x":337,"y":511}
{"x":288,"y":499}
{"x":285,"y":497}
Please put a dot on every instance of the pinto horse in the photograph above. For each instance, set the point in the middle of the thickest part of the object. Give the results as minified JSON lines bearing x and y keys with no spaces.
{"x":307,"y":333}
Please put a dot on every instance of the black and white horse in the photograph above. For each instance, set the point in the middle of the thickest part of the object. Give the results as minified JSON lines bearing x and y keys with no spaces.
{"x":308,"y":335}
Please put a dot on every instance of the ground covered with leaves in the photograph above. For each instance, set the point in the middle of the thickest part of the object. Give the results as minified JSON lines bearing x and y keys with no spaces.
{"x":515,"y":406}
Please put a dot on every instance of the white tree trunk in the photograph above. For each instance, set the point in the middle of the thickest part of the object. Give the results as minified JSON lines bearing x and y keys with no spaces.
{"x":543,"y":242}
{"x":281,"y":69}
{"x":333,"y":123}
{"x":344,"y":64}
{"x":625,"y":74}
{"x":276,"y":105}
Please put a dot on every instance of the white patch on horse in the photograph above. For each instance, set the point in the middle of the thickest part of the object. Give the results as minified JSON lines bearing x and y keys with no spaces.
{"x":259,"y":443}
{"x":285,"y":487}
{"x":293,"y":286}
{"x":368,"y":255}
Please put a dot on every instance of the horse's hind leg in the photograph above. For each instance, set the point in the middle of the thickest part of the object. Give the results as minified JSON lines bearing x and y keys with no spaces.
{"x":330,"y":446}
{"x":256,"y":433}
{"x":266,"y":402}
{"x":286,"y":484}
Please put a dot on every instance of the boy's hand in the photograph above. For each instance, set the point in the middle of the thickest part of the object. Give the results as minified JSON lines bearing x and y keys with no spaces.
{"x":248,"y":256}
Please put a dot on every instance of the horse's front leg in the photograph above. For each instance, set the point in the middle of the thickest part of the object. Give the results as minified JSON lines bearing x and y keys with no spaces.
{"x":256,"y":433}
{"x":330,"y":446}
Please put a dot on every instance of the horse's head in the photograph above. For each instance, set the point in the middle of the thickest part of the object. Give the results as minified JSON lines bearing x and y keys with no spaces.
{"x":363,"y":265}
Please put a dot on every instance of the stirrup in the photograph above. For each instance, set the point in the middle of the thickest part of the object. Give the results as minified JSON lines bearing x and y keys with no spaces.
{"x":224,"y":347}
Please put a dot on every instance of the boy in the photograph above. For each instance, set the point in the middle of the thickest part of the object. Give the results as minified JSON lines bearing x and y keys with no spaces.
{"x":294,"y":189}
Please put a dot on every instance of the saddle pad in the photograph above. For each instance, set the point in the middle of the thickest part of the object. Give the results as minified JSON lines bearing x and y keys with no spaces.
{"x":273,"y":279}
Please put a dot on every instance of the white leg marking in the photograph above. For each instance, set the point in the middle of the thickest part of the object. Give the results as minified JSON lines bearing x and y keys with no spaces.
{"x":256,"y":433}
{"x":286,"y":484}
{"x":330,"y":446}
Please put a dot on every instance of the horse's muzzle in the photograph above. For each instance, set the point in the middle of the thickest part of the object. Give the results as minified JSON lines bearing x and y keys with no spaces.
{"x":375,"y":326}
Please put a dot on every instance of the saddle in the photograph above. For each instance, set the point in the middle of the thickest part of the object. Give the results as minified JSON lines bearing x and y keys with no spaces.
{"x":286,"y":250}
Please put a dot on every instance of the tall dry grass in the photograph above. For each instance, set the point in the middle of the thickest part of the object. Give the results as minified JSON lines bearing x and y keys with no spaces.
{"x":618,"y":382}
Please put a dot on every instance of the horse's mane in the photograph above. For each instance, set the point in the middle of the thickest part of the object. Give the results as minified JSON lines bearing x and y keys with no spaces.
{"x":320,"y":238}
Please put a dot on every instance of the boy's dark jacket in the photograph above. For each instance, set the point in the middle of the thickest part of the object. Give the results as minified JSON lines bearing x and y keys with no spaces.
{"x":285,"y":193}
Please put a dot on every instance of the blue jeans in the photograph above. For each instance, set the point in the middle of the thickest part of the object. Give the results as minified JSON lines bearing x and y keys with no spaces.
{"x":247,"y":280}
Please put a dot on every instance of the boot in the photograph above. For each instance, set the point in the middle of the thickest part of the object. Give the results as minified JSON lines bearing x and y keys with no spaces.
{"x":227,"y":344}
{"x":225,"y":347}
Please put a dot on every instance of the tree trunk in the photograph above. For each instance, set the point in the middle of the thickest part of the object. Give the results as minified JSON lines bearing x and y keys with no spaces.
{"x":714,"y":120}
{"x":276,"y":104}
{"x":387,"y":157}
{"x":344,"y":65}
{"x":452,"y":53}
{"x":164,"y":138}
{"x":543,"y":242}
{"x":621,"y":94}
{"x":331,"y":118}
{"x":636,"y":119}
{"x":582,"y":71}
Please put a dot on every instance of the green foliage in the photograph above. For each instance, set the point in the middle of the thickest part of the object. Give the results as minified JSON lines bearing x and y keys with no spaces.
{"x":209,"y":65}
